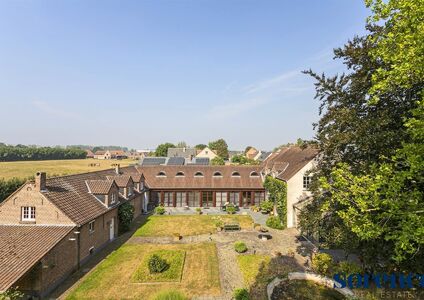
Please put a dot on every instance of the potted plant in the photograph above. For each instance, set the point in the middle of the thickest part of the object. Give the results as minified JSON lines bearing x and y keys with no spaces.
{"x":231,"y":210}
{"x":219,"y":225}
{"x":199,"y":210}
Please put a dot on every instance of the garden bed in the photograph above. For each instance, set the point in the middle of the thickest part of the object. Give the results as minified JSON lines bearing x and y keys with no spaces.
{"x":175,"y":261}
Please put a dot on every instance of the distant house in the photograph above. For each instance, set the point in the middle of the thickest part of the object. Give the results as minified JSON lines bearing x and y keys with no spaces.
{"x":102,"y":154}
{"x":292,"y":165}
{"x":187,"y":153}
{"x":233,"y":153}
{"x":262,"y":155}
{"x":118,"y":154}
{"x":90,"y":153}
{"x":207,"y":153}
{"x":251,"y":153}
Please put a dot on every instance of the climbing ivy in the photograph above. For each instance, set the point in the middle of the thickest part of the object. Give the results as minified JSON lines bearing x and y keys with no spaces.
{"x":125,"y":215}
{"x":277,"y":193}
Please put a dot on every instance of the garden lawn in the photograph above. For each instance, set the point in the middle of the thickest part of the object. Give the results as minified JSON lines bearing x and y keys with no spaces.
{"x":26,"y":169}
{"x":112,"y":279}
{"x":188,"y":224}
{"x":175,"y":261}
{"x":251,"y":265}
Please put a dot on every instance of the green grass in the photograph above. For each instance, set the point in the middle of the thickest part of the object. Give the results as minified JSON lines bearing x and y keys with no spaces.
{"x":175,"y":260}
{"x":251,"y":265}
{"x":188,"y":224}
{"x":113,"y":277}
{"x":26,"y":169}
{"x":169,"y":295}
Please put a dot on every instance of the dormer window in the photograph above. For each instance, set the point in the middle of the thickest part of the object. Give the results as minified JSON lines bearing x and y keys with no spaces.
{"x":28,"y":213}
{"x":113,"y":198}
{"x":217,"y":174}
{"x":235,"y":174}
{"x":254,"y":174}
{"x":198,"y":174}
{"x":161,"y":174}
{"x":179,"y":174}
{"x":130,"y":190}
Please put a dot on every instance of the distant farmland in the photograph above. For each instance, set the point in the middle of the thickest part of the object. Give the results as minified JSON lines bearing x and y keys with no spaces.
{"x":25,"y":169}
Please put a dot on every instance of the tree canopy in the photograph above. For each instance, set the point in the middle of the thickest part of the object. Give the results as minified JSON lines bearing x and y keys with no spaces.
{"x":220,"y":147}
{"x":162,"y":149}
{"x":369,"y":183}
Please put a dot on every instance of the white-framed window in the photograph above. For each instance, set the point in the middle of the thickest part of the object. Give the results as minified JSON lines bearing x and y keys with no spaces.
{"x":113,"y":198}
{"x":28,"y":213}
{"x":91,"y":227}
{"x":306,"y":182}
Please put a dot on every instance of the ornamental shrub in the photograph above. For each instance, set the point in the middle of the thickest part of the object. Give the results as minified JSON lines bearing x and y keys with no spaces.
{"x":240,"y":247}
{"x":231,"y":210}
{"x":267,"y":206}
{"x":241,"y":294}
{"x":321,"y":263}
{"x":274,"y":222}
{"x":346,"y":267}
{"x":157,"y":264}
{"x":159,"y":210}
{"x":125,"y":216}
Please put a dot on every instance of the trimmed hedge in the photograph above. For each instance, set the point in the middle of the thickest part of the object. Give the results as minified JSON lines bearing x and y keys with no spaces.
{"x":274,"y":222}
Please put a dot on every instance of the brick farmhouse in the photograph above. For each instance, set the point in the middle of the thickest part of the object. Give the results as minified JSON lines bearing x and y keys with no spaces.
{"x":49,"y":227}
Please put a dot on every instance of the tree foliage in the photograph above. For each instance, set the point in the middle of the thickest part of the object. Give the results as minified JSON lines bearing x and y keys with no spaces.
{"x":220,"y":147}
{"x":371,"y":133}
{"x":125,"y":215}
{"x":7,"y":187}
{"x":243,"y":160}
{"x":217,"y":161}
{"x":277,"y":193}
{"x":21,"y":152}
{"x":162,"y":149}
{"x":200,"y":146}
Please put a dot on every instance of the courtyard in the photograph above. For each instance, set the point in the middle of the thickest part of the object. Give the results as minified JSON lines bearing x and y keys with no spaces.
{"x":203,"y":263}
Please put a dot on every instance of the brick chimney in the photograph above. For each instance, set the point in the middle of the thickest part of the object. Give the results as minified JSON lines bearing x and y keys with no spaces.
{"x":40,"y":181}
{"x":117,"y":169}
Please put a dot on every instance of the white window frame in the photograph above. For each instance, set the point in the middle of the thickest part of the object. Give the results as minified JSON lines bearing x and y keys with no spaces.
{"x":91,"y":226}
{"x":113,"y":198}
{"x":130,"y":191}
{"x":306,"y":182}
{"x":28,"y":213}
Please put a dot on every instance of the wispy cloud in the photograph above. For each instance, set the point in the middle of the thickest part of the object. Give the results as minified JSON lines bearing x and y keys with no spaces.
{"x":47,"y":108}
{"x":269,"y":83}
{"x":235,"y":108}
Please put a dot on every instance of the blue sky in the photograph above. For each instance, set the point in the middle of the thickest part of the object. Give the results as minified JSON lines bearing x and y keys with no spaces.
{"x":138,"y":73}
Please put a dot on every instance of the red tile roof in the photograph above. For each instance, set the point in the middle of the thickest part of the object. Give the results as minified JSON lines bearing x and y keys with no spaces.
{"x":22,"y":246}
{"x":287,"y":161}
{"x":101,"y":187}
{"x":207,"y":181}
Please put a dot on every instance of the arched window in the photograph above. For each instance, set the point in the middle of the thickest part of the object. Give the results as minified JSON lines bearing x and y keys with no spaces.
{"x":235,"y":174}
{"x":198,"y":174}
{"x":179,"y":174}
{"x":161,"y":174}
{"x":217,"y":174}
{"x":254,"y":174}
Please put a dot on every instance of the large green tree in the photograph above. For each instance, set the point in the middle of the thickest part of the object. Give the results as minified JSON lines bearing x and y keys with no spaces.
{"x":370,"y":186}
{"x":220,"y":147}
{"x":162,"y":149}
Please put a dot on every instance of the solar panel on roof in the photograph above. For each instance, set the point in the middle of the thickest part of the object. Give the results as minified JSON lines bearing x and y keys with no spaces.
{"x":153,"y":161}
{"x":201,"y":161}
{"x":175,"y":161}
